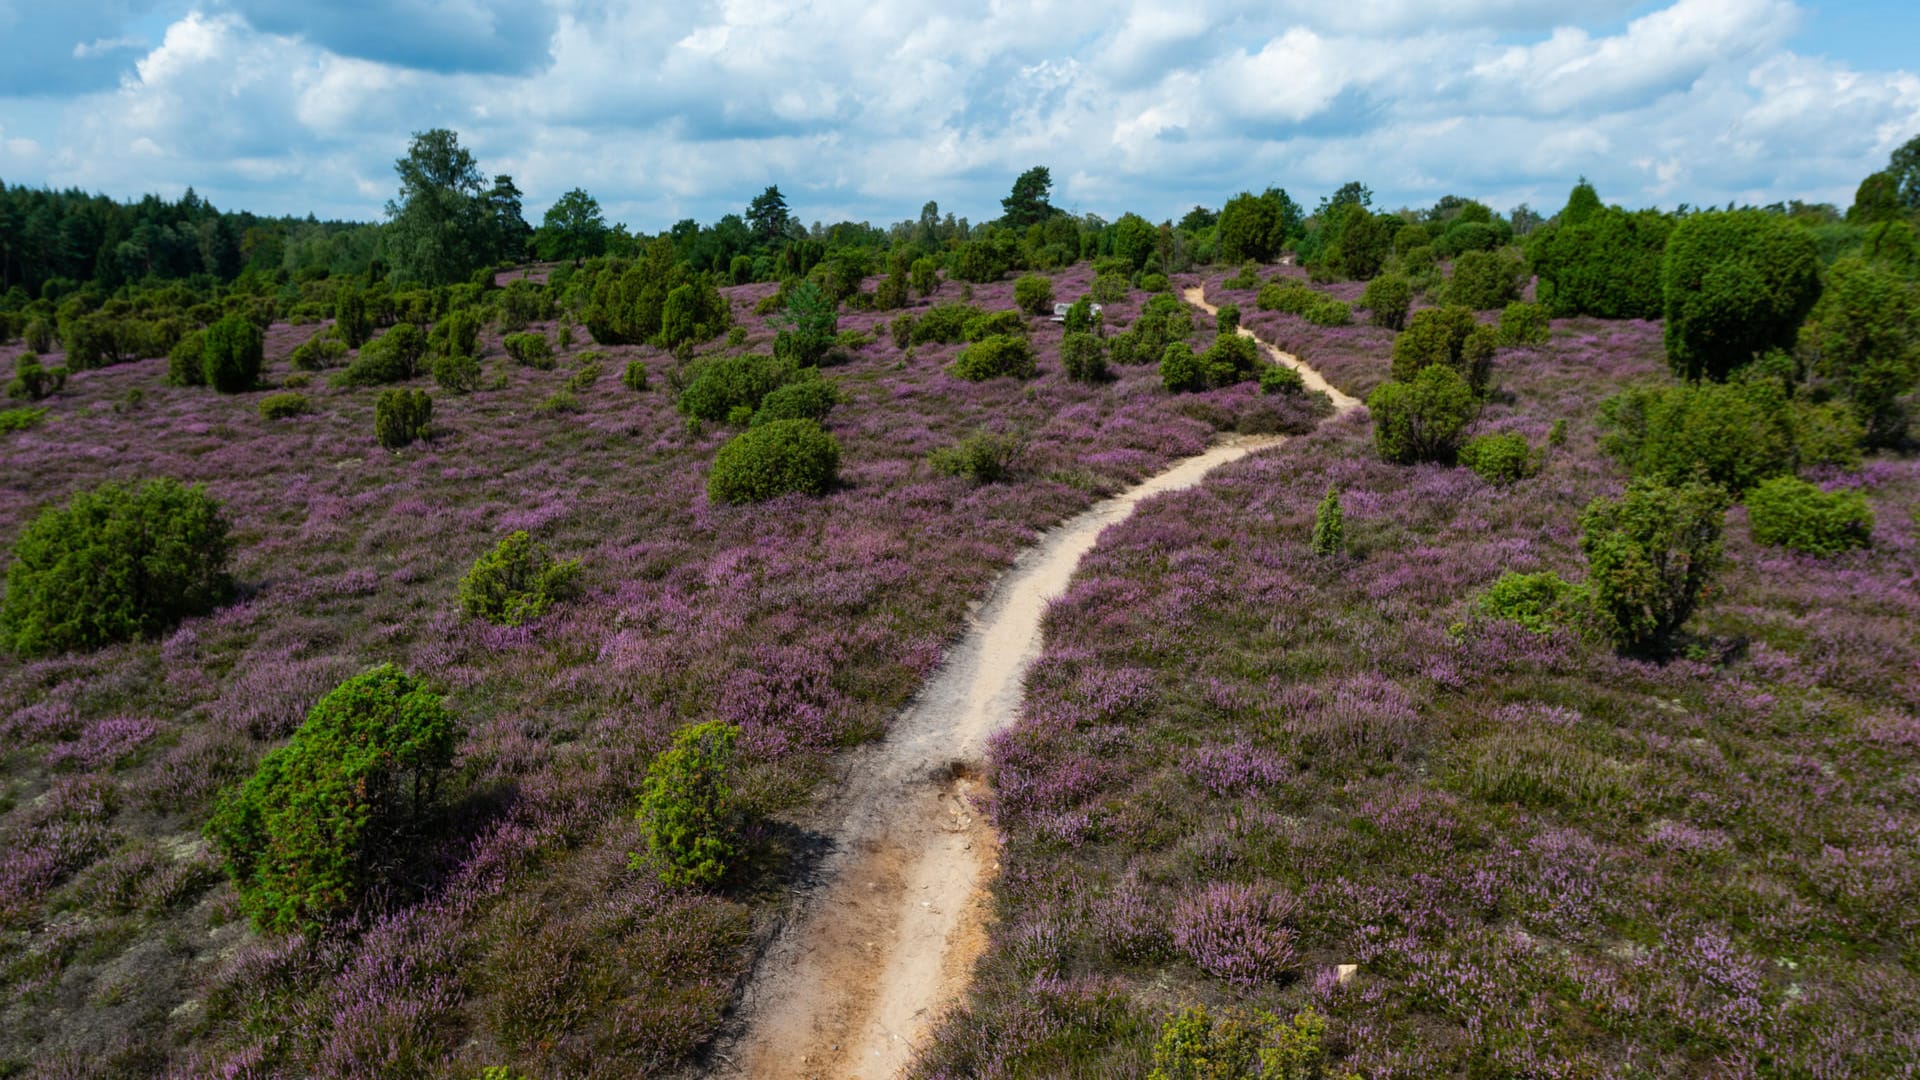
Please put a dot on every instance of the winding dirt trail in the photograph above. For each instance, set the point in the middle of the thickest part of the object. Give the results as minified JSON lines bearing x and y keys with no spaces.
{"x":853,"y":982}
{"x":1342,"y":402}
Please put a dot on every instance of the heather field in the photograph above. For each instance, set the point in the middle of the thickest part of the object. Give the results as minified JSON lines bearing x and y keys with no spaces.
{"x":1242,"y":766}
{"x":521,"y":938}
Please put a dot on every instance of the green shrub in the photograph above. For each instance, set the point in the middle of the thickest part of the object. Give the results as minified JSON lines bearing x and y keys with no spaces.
{"x":1422,"y":420}
{"x":1440,"y":336}
{"x":39,"y":335}
{"x":944,"y":323}
{"x":1226,"y":320}
{"x":1829,"y":433}
{"x":1864,"y":335}
{"x":1330,"y":313}
{"x":1540,"y":602}
{"x":1329,"y":525}
{"x":456,"y":373}
{"x":1483,"y":280}
{"x":1232,"y":358}
{"x":1524,"y":325}
{"x":634,"y":377}
{"x":351,"y":317}
{"x":234,"y":353}
{"x":1109,"y":288}
{"x":1080,"y":318}
{"x":318,"y":353}
{"x":401,"y":416}
{"x":530,"y":350}
{"x":187,"y":360}
{"x":687,"y":807}
{"x":809,"y":320}
{"x":1650,"y":555}
{"x":456,"y":335}
{"x":1240,"y":1045}
{"x":925,"y":276}
{"x":1155,"y":283}
{"x":1732,"y":434}
{"x":1789,"y":512}
{"x":901,"y":329}
{"x":283,"y":406}
{"x":993,"y":324}
{"x":516,"y":581}
{"x":113,"y":564}
{"x":392,"y":357}
{"x":720,"y":384}
{"x":1002,"y":355}
{"x":804,"y":399}
{"x":1033,"y":294}
{"x":1281,"y":379}
{"x":20,"y":419}
{"x":1736,"y":284}
{"x":1293,"y":299}
{"x":1084,"y":356}
{"x":777,"y":458}
{"x":1387,"y":299}
{"x":33,"y":382}
{"x":563,"y":401}
{"x":1181,"y":371}
{"x":694,"y":311}
{"x":1607,"y":264}
{"x":1499,"y":459}
{"x":984,"y":457}
{"x":332,"y":813}
{"x":586,"y":375}
{"x":296,"y":380}
{"x":1246,"y":277}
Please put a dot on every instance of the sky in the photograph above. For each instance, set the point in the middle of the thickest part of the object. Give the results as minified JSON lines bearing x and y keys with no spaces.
{"x":865,"y":111}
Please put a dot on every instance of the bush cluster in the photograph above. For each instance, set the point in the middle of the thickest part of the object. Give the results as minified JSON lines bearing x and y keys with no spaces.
{"x":401,"y":416}
{"x":317,"y":353}
{"x":945,"y":323}
{"x":1422,"y":419}
{"x":516,"y":581}
{"x":1483,"y":280}
{"x":1449,"y":336}
{"x":1736,"y":284}
{"x":1330,"y":312}
{"x":113,"y":564}
{"x":1162,"y":321}
{"x":529,"y":350}
{"x":984,"y":457}
{"x":1789,"y":512}
{"x":1540,"y":602}
{"x":995,"y":356}
{"x":805,"y":399}
{"x":1733,"y":434}
{"x":773,"y":459}
{"x":32,"y":381}
{"x":1524,"y":325}
{"x":717,"y":386}
{"x":392,"y":357}
{"x":1281,"y":379}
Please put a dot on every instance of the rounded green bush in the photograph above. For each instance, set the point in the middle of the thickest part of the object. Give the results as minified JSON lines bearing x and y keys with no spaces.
{"x":1033,"y":294}
{"x":992,"y":324}
{"x":283,"y":406}
{"x":529,"y":350}
{"x":995,"y":356}
{"x":1540,"y":602}
{"x":634,"y":376}
{"x":1084,"y":356}
{"x":234,"y":351}
{"x":1387,"y":299}
{"x":187,"y":360}
{"x":774,"y":459}
{"x":1440,"y":336}
{"x":392,"y":357}
{"x":1789,"y":512}
{"x":114,"y":564}
{"x":516,"y":581}
{"x":984,"y":457}
{"x":1281,"y":379}
{"x":1524,"y":325}
{"x":1499,"y":459}
{"x":1650,"y":555}
{"x":401,"y":416}
{"x":804,"y":399}
{"x":1483,"y":280}
{"x":457,"y":373}
{"x":328,"y":815}
{"x":1422,"y":420}
{"x":1330,"y":313}
{"x":1734,"y":434}
{"x":1736,"y":285}
{"x":1180,"y":370}
{"x":687,"y":806}
{"x":719,"y":385}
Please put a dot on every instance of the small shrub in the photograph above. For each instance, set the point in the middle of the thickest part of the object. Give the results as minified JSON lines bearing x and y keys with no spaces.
{"x":113,"y":564}
{"x":39,"y":334}
{"x":392,"y":357}
{"x":1422,"y":420}
{"x":530,"y":350}
{"x":1441,"y":336}
{"x":456,"y":373}
{"x":1226,"y":320}
{"x":998,"y":356}
{"x":187,"y":360}
{"x":1181,"y":371}
{"x":1237,"y":932}
{"x":1524,"y":325}
{"x":1732,"y":434}
{"x":1483,"y":280}
{"x":560,"y":401}
{"x":1387,"y":299}
{"x":1329,"y":525}
{"x":1230,"y":359}
{"x":563,"y":336}
{"x":1193,"y":1045}
{"x":994,"y":324}
{"x":777,"y":458}
{"x":283,"y":406}
{"x":1540,"y":602}
{"x":1033,"y":294}
{"x":1291,"y":299}
{"x":925,"y":275}
{"x":720,"y":384}
{"x":19,"y":419}
{"x":984,"y":457}
{"x":1246,"y":277}
{"x":516,"y":581}
{"x":318,"y":353}
{"x":1829,"y":433}
{"x":1081,"y":319}
{"x":34,"y":382}
{"x":401,"y":416}
{"x":1330,"y":313}
{"x":1155,"y":283}
{"x":944,"y":323}
{"x":805,"y":399}
{"x":1281,"y":379}
{"x":352,"y":319}
{"x":234,"y":353}
{"x":1109,"y":288}
{"x":1650,"y":555}
{"x":1789,"y":512}
{"x":1499,"y":459}
{"x":585,"y":375}
{"x":901,"y":328}
{"x":1084,"y":356}
{"x":687,"y":807}
{"x":634,"y":377}
{"x":324,"y":817}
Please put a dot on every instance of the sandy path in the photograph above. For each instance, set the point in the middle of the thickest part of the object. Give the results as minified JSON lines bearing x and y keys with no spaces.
{"x":1197,"y":296}
{"x":853,"y":982}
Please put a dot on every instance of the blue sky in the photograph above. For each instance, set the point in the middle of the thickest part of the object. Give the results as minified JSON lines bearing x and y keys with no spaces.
{"x":863,"y":110}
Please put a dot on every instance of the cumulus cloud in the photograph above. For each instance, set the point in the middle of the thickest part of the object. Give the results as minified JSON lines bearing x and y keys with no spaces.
{"x":867,"y":110}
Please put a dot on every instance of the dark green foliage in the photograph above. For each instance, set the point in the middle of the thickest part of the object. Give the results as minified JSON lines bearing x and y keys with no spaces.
{"x":1110,"y":288}
{"x":187,"y":360}
{"x":634,"y":376}
{"x":1650,"y":556}
{"x":687,"y":807}
{"x":1033,"y":294}
{"x":574,"y":228}
{"x":1864,"y":334}
{"x":326,"y":817}
{"x":1329,"y":525}
{"x":39,"y":334}
{"x":926,"y":276}
{"x":1423,"y":419}
{"x":1155,"y":283}
{"x":1027,"y":204}
{"x":1442,"y":336}
{"x":901,"y":330}
{"x":1829,"y":433}
{"x":811,"y":321}
{"x":944,"y":323}
{"x":1524,"y":325}
{"x":516,"y":581}
{"x":1258,"y":227}
{"x":401,"y":416}
{"x":587,"y":374}
{"x":1330,"y":312}
{"x":1499,"y":459}
{"x":694,"y":312}
{"x":1483,"y":280}
{"x":1162,"y":321}
{"x":1294,"y":299}
{"x":1540,"y":602}
{"x":1247,"y":277}
{"x":992,"y":324}
{"x":113,"y":564}
{"x":1731,"y":434}
{"x":1789,"y":512}
{"x":984,"y":457}
{"x":774,"y":459}
{"x":1736,"y":284}
{"x":457,"y":373}
{"x":1359,"y":243}
{"x":1180,"y":370}
{"x":234,"y":353}
{"x":720,"y":384}
{"x":1605,"y":263}
{"x":1227,"y":319}
{"x":317,"y":353}
{"x":1239,"y":1045}
{"x":34,"y":382}
{"x":351,"y":318}
{"x":1232,"y":358}
{"x":1281,"y":379}
{"x":804,"y":399}
{"x":392,"y":357}
{"x":530,"y":350}
{"x":440,"y":229}
{"x":1386,"y":299}
{"x":1001,"y":355}
{"x":284,"y":405}
{"x":456,"y":335}
{"x":1084,"y":356}
{"x":1583,"y":202}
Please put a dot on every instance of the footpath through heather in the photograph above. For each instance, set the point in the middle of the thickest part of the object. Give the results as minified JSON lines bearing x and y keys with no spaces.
{"x":869,"y":960}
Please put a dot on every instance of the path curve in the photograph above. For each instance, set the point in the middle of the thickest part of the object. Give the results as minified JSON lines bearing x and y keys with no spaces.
{"x":1342,"y":402}
{"x":856,"y":977}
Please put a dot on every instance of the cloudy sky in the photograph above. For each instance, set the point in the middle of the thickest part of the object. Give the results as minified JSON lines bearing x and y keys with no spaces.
{"x":868,"y":109}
